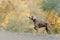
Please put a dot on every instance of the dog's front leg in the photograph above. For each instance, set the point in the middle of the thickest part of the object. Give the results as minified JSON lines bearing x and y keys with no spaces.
{"x":36,"y":28}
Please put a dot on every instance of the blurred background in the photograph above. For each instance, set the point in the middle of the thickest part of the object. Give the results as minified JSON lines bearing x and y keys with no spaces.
{"x":14,"y":15}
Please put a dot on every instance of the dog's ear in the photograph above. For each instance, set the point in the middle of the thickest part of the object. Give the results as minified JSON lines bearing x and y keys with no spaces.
{"x":34,"y":17}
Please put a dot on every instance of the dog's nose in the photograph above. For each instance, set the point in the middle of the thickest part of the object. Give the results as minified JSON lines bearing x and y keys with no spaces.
{"x":29,"y":16}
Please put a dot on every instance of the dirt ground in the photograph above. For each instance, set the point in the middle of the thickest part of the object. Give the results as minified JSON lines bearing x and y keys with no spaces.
{"x":26,"y":36}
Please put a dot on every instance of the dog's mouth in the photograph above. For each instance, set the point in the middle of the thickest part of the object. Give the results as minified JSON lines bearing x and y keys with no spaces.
{"x":30,"y":17}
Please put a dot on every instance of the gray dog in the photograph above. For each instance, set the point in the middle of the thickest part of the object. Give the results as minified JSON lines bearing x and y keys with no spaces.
{"x":40,"y":24}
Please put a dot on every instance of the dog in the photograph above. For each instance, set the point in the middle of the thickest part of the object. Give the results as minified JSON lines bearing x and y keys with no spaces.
{"x":40,"y":24}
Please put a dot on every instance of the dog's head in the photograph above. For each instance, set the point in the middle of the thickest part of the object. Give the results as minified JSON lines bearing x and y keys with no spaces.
{"x":32,"y":17}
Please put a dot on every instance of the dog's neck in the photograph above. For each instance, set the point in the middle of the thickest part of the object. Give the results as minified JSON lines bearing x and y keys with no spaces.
{"x":34,"y":20}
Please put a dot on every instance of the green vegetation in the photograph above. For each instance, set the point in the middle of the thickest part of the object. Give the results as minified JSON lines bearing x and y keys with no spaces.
{"x":14,"y":15}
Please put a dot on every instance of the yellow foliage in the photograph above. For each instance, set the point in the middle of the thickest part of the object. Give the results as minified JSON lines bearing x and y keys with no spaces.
{"x":24,"y":14}
{"x":58,"y":20}
{"x":31,"y":1}
{"x":5,"y":22}
{"x":51,"y":17}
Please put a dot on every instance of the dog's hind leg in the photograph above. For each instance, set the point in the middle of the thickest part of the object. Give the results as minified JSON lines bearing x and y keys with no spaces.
{"x":48,"y":29}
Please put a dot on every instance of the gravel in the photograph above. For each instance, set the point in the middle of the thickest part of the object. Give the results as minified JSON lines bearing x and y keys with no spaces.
{"x":27,"y":36}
